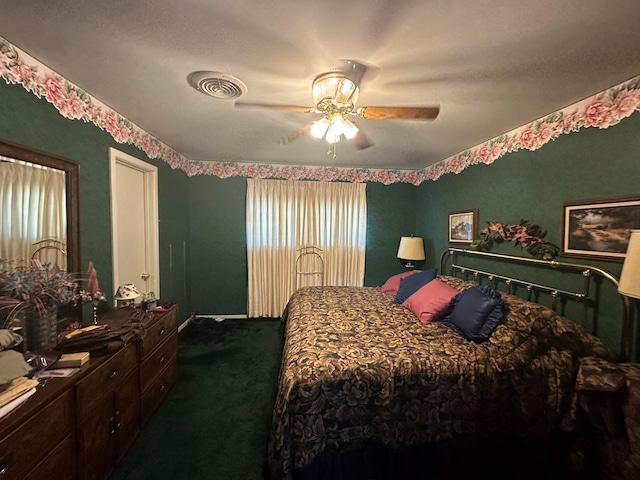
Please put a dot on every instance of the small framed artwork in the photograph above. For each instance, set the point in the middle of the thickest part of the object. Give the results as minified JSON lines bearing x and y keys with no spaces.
{"x":599,"y":228}
{"x":463,"y":226}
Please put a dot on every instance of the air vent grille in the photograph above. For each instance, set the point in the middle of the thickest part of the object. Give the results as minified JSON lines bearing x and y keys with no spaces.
{"x":217,"y":85}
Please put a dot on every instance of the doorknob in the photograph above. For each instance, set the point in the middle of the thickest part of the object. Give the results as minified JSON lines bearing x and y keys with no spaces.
{"x":145,"y":276}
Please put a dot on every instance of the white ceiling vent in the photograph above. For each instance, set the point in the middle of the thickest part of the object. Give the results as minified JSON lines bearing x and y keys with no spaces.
{"x":217,"y":85}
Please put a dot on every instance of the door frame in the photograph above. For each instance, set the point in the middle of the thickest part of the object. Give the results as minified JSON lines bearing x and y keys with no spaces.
{"x":150,"y":181}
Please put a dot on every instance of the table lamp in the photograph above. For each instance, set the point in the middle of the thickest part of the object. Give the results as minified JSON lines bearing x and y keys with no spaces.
{"x":411,"y":249}
{"x":630,"y":277}
{"x":126,"y":295}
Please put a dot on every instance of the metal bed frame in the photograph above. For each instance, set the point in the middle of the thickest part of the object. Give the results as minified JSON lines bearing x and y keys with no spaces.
{"x":587,"y":271}
{"x":44,"y":247}
{"x":309,"y":255}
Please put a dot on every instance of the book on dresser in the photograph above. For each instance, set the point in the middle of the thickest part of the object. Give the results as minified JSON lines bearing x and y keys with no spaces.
{"x":16,"y":388}
{"x":70,"y":360}
{"x":16,"y":394}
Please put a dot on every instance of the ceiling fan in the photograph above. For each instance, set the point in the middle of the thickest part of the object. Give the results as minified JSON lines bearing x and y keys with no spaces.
{"x":335,"y":94}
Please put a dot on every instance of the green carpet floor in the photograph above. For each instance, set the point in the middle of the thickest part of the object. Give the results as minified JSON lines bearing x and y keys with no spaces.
{"x":214,"y":423}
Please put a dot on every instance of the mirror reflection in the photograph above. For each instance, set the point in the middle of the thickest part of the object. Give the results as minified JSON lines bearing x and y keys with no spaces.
{"x":39,"y":206}
{"x":33,"y":213}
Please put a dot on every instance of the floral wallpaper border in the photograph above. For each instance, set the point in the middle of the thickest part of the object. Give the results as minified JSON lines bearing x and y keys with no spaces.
{"x":602,"y":110}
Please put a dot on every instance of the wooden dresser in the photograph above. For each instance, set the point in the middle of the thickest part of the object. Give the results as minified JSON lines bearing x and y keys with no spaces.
{"x":79,"y":428}
{"x":158,"y":362}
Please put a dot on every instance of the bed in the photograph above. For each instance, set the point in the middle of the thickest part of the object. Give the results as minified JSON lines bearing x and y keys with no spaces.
{"x":366,"y":390}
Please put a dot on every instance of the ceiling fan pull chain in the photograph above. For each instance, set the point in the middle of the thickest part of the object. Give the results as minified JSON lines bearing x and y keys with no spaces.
{"x":332,"y":149}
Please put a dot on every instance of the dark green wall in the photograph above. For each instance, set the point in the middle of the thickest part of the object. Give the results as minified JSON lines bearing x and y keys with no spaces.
{"x":33,"y":122}
{"x":218,"y":245}
{"x":391,"y":213}
{"x":528,"y":185}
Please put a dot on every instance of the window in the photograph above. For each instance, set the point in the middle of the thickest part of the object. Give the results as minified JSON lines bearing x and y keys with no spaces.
{"x":284,"y":215}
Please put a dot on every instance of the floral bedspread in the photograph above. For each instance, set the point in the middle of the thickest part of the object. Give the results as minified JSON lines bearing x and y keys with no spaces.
{"x":357,"y":367}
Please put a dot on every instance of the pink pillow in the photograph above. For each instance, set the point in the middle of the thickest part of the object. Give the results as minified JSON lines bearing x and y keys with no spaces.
{"x":431,"y":300}
{"x":392,"y":285}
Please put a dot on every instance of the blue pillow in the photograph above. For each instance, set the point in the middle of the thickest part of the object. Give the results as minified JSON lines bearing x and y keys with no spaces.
{"x":412,"y":283}
{"x":475,"y":312}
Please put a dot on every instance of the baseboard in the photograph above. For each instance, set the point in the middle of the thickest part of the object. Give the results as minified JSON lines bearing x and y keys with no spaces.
{"x":220,"y":317}
{"x":216,"y":317}
{"x":184,"y":324}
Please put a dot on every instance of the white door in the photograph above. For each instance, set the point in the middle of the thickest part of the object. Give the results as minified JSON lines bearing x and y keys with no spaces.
{"x":134,"y":222}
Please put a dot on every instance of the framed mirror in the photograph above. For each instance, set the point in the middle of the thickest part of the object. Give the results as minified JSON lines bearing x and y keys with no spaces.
{"x":63,"y":205}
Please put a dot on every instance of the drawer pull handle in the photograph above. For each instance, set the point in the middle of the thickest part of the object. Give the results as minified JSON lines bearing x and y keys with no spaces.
{"x":162,"y":359}
{"x":162,"y":387}
{"x":3,"y":470}
{"x":162,"y":331}
{"x":113,"y":374}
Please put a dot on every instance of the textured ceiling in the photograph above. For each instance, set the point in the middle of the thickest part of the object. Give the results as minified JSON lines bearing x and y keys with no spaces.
{"x":490,"y":65}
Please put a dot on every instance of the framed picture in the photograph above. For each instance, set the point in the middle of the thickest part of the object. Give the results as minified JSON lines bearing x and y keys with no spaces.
{"x":463,"y":226}
{"x":599,"y":228}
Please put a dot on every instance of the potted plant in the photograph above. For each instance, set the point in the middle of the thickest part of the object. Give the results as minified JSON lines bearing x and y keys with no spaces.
{"x":31,"y":293}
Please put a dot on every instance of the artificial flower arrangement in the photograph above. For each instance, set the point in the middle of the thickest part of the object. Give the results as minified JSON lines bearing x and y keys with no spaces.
{"x":36,"y":289}
{"x":525,"y":234}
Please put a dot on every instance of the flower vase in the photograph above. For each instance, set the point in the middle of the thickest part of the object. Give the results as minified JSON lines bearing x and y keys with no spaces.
{"x":40,"y":330}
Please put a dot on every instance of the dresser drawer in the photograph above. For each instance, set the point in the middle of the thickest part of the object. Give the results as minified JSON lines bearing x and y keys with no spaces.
{"x":38,"y":436}
{"x":60,"y":464}
{"x":158,"y":360}
{"x":158,"y":331}
{"x":106,"y":377}
{"x":152,"y":397}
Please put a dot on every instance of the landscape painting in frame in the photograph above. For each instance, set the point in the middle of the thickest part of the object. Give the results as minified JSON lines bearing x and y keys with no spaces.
{"x":601,"y":228}
{"x":463,"y":226}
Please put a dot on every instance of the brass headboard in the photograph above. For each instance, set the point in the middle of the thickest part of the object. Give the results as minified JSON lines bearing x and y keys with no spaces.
{"x":452,"y":258}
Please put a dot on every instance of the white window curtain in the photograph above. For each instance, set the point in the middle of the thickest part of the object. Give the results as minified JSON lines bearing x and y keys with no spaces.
{"x":284,"y":215}
{"x":32,"y":209}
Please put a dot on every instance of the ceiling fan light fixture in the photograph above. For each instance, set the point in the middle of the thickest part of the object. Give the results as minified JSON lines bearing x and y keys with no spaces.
{"x":333,"y":136}
{"x":319,"y":128}
{"x":336,"y":129}
{"x":334,"y":88}
{"x":337,"y":126}
{"x":350,"y":130}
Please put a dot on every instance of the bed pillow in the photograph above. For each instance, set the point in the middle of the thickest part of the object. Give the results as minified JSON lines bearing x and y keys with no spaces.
{"x":431,"y":300}
{"x":409,"y":285}
{"x":475,"y":312}
{"x":392,"y":284}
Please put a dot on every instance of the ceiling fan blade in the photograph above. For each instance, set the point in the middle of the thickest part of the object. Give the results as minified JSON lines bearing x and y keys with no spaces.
{"x":403,"y":113}
{"x":291,"y":108}
{"x":361,"y":141}
{"x":295,"y":134}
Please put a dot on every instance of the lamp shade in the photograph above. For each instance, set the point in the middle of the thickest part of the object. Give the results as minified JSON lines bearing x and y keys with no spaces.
{"x":630,"y":277}
{"x":127,"y":291}
{"x":411,"y":248}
